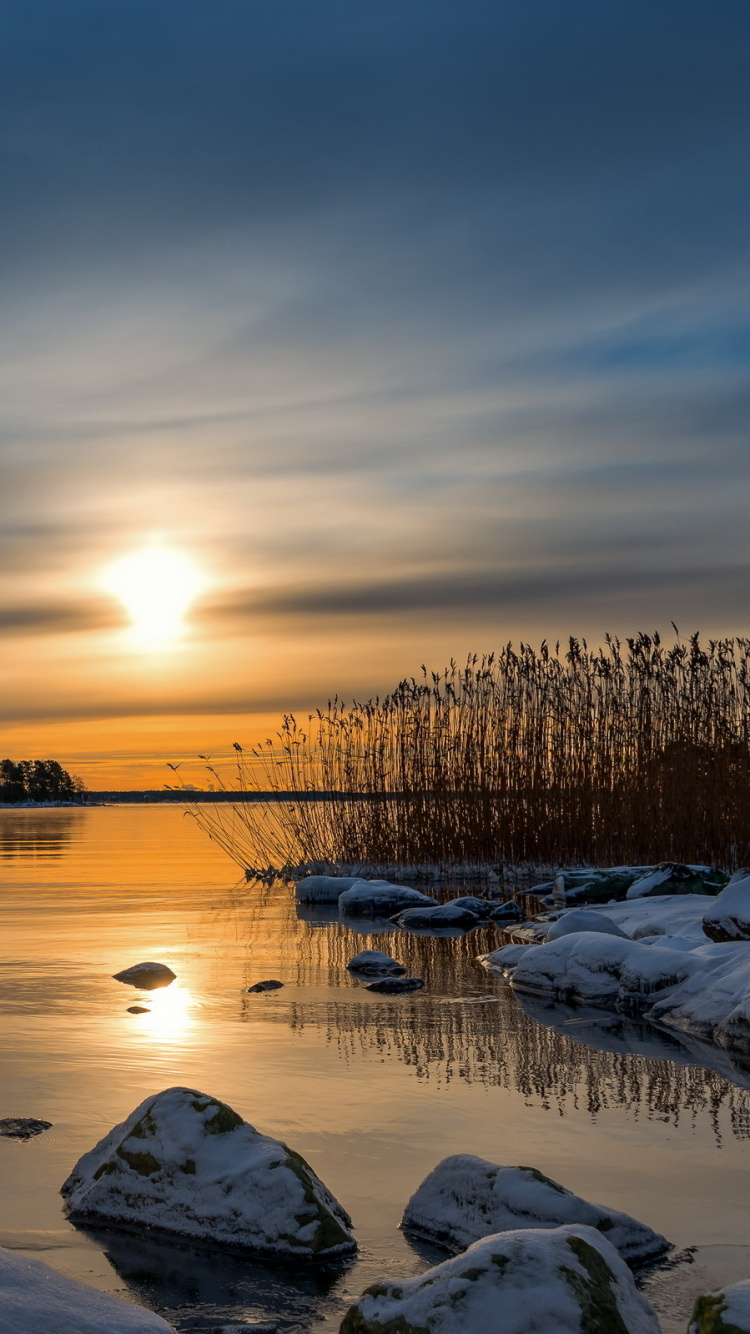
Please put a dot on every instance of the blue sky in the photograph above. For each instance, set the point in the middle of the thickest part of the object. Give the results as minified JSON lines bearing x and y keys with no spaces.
{"x":418,"y":326}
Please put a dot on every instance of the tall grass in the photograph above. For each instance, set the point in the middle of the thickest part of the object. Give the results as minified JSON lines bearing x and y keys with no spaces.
{"x":634,"y":752}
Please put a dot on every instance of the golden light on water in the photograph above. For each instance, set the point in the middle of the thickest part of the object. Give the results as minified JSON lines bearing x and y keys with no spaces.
{"x":170,"y":1013}
{"x":156,"y":586}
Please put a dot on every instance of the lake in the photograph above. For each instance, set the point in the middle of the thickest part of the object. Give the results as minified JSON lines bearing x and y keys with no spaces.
{"x":372,"y":1090}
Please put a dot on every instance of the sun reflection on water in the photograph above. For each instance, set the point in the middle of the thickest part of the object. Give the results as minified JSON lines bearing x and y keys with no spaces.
{"x":170,"y":1014}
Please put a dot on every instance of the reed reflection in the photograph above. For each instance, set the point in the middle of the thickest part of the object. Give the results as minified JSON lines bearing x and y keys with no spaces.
{"x":468,"y":1026}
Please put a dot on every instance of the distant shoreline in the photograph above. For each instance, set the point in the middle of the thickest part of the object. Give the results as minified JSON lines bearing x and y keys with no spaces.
{"x":155,"y":797}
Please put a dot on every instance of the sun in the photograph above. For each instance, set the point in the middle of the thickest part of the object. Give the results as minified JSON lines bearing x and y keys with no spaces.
{"x":156,"y":585}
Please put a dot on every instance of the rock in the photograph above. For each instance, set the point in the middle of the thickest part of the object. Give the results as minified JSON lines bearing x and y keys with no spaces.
{"x":728,"y":916}
{"x":725,"y":1311}
{"x":565,"y":1281}
{"x":510,"y":911}
{"x":187,"y":1164}
{"x":23,"y":1127}
{"x":480,"y":907}
{"x":591,"y":885}
{"x":138,"y":1009}
{"x":269,"y":985}
{"x":34,"y":1299}
{"x":466,"y":1198}
{"x":147,"y":976}
{"x":674,"y":878}
{"x":445,"y":914}
{"x":374,"y":963}
{"x":323,"y":888}
{"x":580,"y":920}
{"x":396,"y":986}
{"x":379,"y":898}
{"x":666,"y":915}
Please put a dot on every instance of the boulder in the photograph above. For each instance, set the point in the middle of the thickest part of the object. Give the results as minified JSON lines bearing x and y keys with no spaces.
{"x":374,"y":963}
{"x":35,"y":1299}
{"x":728,"y":916}
{"x":725,"y":1311}
{"x":445,"y":914}
{"x":590,"y":884}
{"x":22,"y":1127}
{"x":674,"y":878}
{"x":379,"y":898}
{"x":396,"y":986}
{"x":466,"y":1198}
{"x":580,"y":920}
{"x":185,"y":1163}
{"x":568,"y":1280}
{"x":147,"y":976}
{"x":510,"y":911}
{"x":323,"y":888}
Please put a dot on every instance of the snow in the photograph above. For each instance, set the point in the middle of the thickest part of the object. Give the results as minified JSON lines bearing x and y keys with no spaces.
{"x":147,"y":976}
{"x":373,"y":898}
{"x":728,"y":916}
{"x":375,"y":963}
{"x":662,"y":915}
{"x":580,"y":920}
{"x":34,"y":1299}
{"x":465,"y":1198}
{"x":185,"y":1163}
{"x":445,"y":914}
{"x":724,"y":1311}
{"x":323,"y":888}
{"x":552,"y":1282}
{"x":700,"y":989}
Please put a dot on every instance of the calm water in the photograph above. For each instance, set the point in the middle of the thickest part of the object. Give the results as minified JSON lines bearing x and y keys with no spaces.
{"x":372,"y":1091}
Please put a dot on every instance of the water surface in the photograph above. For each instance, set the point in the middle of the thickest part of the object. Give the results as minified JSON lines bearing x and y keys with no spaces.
{"x":372,"y":1090}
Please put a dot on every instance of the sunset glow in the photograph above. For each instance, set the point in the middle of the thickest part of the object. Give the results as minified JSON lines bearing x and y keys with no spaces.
{"x":157,"y":586}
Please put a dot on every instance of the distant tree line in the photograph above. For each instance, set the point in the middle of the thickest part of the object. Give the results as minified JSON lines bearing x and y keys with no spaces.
{"x":38,"y":780}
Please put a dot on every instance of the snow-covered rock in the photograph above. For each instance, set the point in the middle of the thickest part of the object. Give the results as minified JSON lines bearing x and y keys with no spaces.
{"x":23,"y":1127}
{"x":466,"y":1198}
{"x":34,"y":1299}
{"x":565,"y":1281}
{"x":590,"y":884}
{"x":728,"y":917}
{"x":444,"y":914}
{"x":674,"y":878}
{"x":379,"y":898}
{"x":724,"y":1311}
{"x":509,"y":911}
{"x":147,"y":976}
{"x":580,"y":920}
{"x":375,"y":963}
{"x":185,"y":1163}
{"x":703,"y":990}
{"x":323,"y":888}
{"x":667,"y":915}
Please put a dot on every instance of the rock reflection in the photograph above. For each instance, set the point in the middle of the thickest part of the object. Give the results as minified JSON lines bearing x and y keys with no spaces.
{"x":37,"y":834}
{"x":186,"y":1283}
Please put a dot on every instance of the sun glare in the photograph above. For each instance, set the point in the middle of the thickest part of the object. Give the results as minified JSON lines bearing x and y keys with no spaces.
{"x":156,"y":586}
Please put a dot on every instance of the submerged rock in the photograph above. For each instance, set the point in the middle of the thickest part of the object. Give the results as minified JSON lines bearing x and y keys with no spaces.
{"x":187,"y":1164}
{"x":34,"y":1299}
{"x":147,"y":976}
{"x":396,"y":986}
{"x":374,"y":963}
{"x":138,"y":1009}
{"x":23,"y":1127}
{"x":379,"y":898}
{"x":674,"y":878}
{"x":728,"y":917}
{"x":444,"y":914}
{"x":323,"y":888}
{"x":566,"y":1281}
{"x":579,"y":920}
{"x":269,"y":985}
{"x":466,"y":1198}
{"x":725,"y":1311}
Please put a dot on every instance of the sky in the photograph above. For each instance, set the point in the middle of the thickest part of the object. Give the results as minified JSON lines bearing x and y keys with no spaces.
{"x":408,"y":328}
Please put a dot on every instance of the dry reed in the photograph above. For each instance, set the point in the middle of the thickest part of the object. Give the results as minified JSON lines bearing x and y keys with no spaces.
{"x":635,"y":752}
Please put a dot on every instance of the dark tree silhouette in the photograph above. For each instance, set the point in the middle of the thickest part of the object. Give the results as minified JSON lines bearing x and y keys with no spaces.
{"x":38,"y":780}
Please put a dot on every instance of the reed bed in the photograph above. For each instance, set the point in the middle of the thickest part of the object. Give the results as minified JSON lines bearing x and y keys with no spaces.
{"x":632,"y":752}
